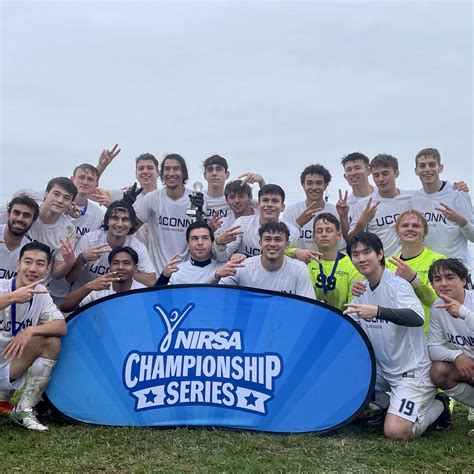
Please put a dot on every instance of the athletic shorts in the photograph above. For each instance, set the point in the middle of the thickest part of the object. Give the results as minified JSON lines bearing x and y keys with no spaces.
{"x":411,"y":395}
{"x":5,"y":383}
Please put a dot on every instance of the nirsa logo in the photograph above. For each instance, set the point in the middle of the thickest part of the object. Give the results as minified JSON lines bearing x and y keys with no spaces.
{"x":200,"y":367}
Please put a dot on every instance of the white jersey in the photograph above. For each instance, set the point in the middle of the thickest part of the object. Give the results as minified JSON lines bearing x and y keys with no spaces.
{"x":352,"y":202}
{"x":216,"y":206}
{"x":398,"y":349}
{"x":383,"y":224}
{"x":167,"y":224}
{"x":292,"y":277}
{"x":190,"y":273}
{"x":248,"y":243}
{"x":305,"y":240}
{"x":449,"y":337}
{"x":9,"y":258}
{"x":97,"y":295}
{"x":230,"y":219}
{"x":101,"y":266}
{"x":445,"y":236}
{"x":39,"y":310}
{"x":91,"y":218}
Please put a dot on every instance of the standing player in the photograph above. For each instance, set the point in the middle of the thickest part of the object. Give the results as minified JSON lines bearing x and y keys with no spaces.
{"x":273,"y":270}
{"x":22,"y":213}
{"x":216,"y":173}
{"x":448,"y":212}
{"x":451,"y":332}
{"x":333,"y":276}
{"x":392,"y":317}
{"x":29,"y":334}
{"x":314,"y":180}
{"x":123,"y":263}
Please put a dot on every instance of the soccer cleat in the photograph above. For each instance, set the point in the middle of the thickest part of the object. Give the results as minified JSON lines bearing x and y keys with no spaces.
{"x":27,"y":419}
{"x":378,"y":419}
{"x":6,"y":408}
{"x":444,"y":421}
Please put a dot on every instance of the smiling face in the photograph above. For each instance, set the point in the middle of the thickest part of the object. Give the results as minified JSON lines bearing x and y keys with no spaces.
{"x":270,"y":206}
{"x":314,"y":187}
{"x":239,"y":202}
{"x":172,"y":174}
{"x":119,"y":223}
{"x":123,"y":265}
{"x":366,"y":260}
{"x":273,"y":245}
{"x":356,"y":173}
{"x":57,"y":200}
{"x":32,"y":266}
{"x":428,"y":170}
{"x":20,"y":219}
{"x":146,"y":173}
{"x":410,"y":229}
{"x":385,"y":178}
{"x":446,"y":282}
{"x":200,"y":244}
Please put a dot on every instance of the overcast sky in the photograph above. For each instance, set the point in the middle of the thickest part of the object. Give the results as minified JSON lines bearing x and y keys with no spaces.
{"x":271,"y":86}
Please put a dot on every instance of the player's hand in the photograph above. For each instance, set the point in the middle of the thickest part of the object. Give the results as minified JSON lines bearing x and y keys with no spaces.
{"x":461,"y":186}
{"x":197,"y":200}
{"x":364,"y":311}
{"x":106,"y":157}
{"x":25,"y":293}
{"x":228,"y":269}
{"x":369,"y":212}
{"x":94,"y":253}
{"x":228,"y":235}
{"x":452,"y":215}
{"x":67,"y":251}
{"x":215,"y":222}
{"x":308,"y":214}
{"x":451,"y":305}
{"x":465,"y":365}
{"x":103,"y":282}
{"x":101,"y":198}
{"x":342,"y":207}
{"x":130,"y":196}
{"x":238,"y":257}
{"x":250,"y":178}
{"x":358,"y":288}
{"x":17,"y":345}
{"x":306,"y":255}
{"x":171,"y":266}
{"x":403,"y":270}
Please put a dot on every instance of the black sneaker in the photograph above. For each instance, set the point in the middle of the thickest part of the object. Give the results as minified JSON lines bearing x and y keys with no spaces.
{"x":378,"y":419}
{"x":444,"y":421}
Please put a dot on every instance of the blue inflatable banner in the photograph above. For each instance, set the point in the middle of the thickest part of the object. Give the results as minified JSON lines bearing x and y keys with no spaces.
{"x":204,"y":355}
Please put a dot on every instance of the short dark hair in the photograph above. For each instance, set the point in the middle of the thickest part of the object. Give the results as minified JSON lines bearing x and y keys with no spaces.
{"x":271,"y":189}
{"x":316,"y":169}
{"x":449,"y":264}
{"x":354,"y":157}
{"x":88,"y":167}
{"x":180,"y":160}
{"x":273,"y":228}
{"x":199,"y":225}
{"x":27,"y":201}
{"x":36,"y":246}
{"x":125,"y":249}
{"x":327,"y":216}
{"x":147,"y":157}
{"x":237,"y":187}
{"x":370,"y":241}
{"x":64,"y":183}
{"x":215,"y":160}
{"x":121,"y":205}
{"x":384,"y":161}
{"x":432,"y":152}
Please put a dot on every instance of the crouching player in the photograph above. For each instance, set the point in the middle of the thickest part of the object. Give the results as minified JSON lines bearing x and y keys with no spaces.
{"x":451,"y":331}
{"x":29,"y":333}
{"x":392,"y":317}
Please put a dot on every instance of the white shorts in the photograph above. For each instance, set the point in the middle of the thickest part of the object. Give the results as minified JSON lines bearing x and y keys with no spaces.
{"x":5,"y":383}
{"x":411,"y":395}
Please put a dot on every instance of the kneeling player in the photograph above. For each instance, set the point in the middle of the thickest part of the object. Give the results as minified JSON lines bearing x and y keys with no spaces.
{"x":451,"y":331}
{"x":392,"y":317}
{"x":29,"y":336}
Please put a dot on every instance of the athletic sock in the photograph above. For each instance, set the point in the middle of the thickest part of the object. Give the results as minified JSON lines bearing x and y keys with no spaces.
{"x":431,"y":415}
{"x":40,"y":373}
{"x":463,"y":393}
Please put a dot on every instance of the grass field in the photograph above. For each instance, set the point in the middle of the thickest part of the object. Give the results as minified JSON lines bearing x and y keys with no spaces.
{"x":357,"y":448}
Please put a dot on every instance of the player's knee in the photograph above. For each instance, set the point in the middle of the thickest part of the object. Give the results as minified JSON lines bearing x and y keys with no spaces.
{"x":398,"y":432}
{"x":51,"y":347}
{"x":440,"y":374}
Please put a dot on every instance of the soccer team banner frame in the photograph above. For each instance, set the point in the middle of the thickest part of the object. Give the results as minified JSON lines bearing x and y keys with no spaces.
{"x":207,"y":355}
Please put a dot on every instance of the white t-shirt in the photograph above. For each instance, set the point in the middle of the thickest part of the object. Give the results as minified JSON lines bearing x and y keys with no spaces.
{"x":190,"y":273}
{"x":40,"y":310}
{"x":230,"y":219}
{"x":9,"y":258}
{"x":216,"y":206}
{"x":445,"y":236}
{"x":383,"y":224}
{"x":449,"y":337}
{"x":91,"y":218}
{"x":305,"y":240}
{"x":292,"y":277}
{"x":97,"y":295}
{"x":167,"y":224}
{"x":248,"y":243}
{"x":101,"y":266}
{"x":398,"y":349}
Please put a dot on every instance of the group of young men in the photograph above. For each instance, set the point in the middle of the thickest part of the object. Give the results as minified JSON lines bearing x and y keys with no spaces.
{"x":392,"y":259}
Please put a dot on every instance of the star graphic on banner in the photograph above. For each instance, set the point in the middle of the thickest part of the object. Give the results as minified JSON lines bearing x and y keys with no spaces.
{"x":251,"y":399}
{"x":150,"y":396}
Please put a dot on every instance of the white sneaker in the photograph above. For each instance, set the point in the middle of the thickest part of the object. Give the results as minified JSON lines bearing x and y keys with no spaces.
{"x":27,"y":419}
